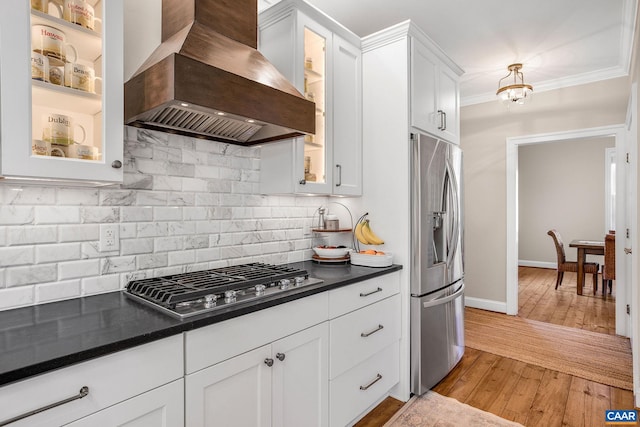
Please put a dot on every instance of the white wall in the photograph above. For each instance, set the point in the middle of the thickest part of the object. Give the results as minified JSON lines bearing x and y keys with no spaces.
{"x":561,"y":185}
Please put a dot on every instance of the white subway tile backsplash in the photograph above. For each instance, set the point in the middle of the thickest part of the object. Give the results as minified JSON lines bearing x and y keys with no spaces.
{"x":30,"y":275}
{"x":57,"y":252}
{"x":27,"y":235}
{"x":100,"y":284}
{"x":78,"y":232}
{"x":186,"y":204}
{"x":16,"y":215}
{"x":19,"y":255}
{"x":49,"y":292}
{"x":78,"y":269}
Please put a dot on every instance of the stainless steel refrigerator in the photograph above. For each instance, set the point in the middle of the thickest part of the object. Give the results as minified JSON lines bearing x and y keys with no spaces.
{"x":437,"y":268}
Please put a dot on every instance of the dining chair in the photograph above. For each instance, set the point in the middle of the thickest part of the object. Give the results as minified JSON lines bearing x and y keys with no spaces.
{"x":571,"y":266}
{"x":609,"y":267}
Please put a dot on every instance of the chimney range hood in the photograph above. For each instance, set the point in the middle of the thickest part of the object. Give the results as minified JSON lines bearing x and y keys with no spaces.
{"x":208,"y":80}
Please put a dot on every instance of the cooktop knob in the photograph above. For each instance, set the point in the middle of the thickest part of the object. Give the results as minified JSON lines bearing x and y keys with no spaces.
{"x":299,"y":280}
{"x":260,"y":289}
{"x":284,"y":284}
{"x":210,"y":300}
{"x":229,"y":296}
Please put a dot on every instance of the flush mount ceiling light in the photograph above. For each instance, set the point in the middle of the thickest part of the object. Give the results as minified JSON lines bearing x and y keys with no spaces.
{"x":516,"y":92}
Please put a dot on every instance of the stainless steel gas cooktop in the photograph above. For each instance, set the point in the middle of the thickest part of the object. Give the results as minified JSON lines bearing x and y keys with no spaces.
{"x":189,"y":294}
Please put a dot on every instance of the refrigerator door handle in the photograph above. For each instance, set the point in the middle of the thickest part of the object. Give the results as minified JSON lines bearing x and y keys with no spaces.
{"x":453,"y":185}
{"x":444,"y":300}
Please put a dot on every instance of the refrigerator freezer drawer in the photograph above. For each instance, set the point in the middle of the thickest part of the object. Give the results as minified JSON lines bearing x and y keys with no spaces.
{"x":437,"y":336}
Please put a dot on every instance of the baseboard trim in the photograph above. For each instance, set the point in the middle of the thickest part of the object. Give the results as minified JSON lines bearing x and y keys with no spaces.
{"x":485,"y":304}
{"x":538,"y":264}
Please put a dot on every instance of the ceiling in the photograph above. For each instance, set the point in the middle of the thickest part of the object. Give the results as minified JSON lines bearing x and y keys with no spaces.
{"x":560,"y":43}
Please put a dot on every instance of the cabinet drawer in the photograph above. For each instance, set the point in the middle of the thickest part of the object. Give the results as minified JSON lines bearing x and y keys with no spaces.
{"x":358,"y":335}
{"x":110,"y":379}
{"x":213,"y":344}
{"x":359,"y":388}
{"x":353,"y":297}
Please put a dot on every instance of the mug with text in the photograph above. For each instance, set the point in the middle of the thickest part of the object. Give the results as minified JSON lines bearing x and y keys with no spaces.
{"x":43,"y":5}
{"x":51,"y":42}
{"x":79,"y":12}
{"x":39,"y":67}
{"x":79,"y":76}
{"x":59,"y":129}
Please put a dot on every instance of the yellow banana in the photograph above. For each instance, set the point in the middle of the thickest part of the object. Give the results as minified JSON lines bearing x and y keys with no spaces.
{"x":359,"y":235}
{"x":369,"y":235}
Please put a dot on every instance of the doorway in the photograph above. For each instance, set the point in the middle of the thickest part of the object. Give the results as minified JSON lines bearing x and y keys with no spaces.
{"x":513,"y":144}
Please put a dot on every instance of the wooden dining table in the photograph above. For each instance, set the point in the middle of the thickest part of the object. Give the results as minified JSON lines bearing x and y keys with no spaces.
{"x":585,"y":247}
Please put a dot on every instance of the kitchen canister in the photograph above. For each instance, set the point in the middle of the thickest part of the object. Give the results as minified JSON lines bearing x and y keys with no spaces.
{"x":331,"y":222}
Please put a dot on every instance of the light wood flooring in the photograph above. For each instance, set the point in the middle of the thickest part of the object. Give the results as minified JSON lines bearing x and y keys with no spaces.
{"x":525,"y":393}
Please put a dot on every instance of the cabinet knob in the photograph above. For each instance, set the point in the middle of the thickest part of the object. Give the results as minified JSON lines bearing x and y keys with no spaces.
{"x":302,"y":181}
{"x":116,"y":164}
{"x":268,"y":362}
{"x":280,"y":356}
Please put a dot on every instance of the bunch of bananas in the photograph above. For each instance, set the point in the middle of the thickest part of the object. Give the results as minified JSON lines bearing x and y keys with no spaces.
{"x":364,"y":234}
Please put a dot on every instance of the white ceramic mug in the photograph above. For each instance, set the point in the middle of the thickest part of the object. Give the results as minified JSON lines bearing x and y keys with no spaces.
{"x":51,"y":42}
{"x":59,"y":129}
{"x":41,"y":148}
{"x":79,"y":12}
{"x":43,"y":5}
{"x":56,"y":75}
{"x":85,"y":152}
{"x":39,"y":67}
{"x":80,"y":76}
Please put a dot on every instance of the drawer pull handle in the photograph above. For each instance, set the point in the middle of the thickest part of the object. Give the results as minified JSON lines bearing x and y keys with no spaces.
{"x":362,"y":294}
{"x":366,"y":334}
{"x":84,"y":391}
{"x":378,"y":378}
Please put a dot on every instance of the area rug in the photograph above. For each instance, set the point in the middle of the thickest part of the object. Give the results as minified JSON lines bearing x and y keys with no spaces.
{"x":434,"y":410}
{"x":605,"y":359}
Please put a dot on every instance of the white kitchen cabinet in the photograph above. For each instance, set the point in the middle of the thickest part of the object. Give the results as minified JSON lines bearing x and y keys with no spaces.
{"x":109,"y":380}
{"x":435,"y":94}
{"x":284,"y":383}
{"x":26,"y":104}
{"x":324,"y":61}
{"x":163,"y":406}
{"x":364,"y":346}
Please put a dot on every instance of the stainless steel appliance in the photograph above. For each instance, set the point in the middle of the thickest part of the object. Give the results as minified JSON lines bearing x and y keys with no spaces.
{"x":190,"y":294}
{"x":437,"y":274}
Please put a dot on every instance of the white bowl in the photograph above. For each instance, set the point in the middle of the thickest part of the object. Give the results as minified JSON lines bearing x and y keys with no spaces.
{"x":331,"y":253}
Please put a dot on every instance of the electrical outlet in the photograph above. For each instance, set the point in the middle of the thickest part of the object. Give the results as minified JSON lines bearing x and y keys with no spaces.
{"x":109,"y":237}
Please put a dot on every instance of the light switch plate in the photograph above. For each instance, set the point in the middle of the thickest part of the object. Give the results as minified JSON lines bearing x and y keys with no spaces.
{"x":109,"y":237}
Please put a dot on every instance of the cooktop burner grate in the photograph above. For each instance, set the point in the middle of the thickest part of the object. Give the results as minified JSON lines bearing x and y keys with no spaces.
{"x":168,"y":291}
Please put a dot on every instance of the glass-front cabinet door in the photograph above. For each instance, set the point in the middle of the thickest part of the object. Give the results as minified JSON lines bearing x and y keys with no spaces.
{"x":61,"y":80}
{"x":314,"y":150}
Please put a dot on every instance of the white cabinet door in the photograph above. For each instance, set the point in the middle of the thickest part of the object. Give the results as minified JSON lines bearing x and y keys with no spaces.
{"x":163,"y":406}
{"x":424,"y":100}
{"x":233,"y":393}
{"x":448,"y":102}
{"x":27,"y":106}
{"x":300,"y":378}
{"x":435,"y":95}
{"x":347,"y":118}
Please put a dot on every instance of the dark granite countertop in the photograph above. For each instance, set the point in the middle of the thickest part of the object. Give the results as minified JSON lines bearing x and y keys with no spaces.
{"x":41,"y":338}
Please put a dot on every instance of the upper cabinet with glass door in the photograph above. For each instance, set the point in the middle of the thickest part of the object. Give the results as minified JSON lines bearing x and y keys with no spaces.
{"x":62,"y":82}
{"x":324,"y":61}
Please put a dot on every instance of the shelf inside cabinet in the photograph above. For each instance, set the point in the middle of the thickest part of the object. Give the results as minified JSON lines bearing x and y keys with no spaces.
{"x":66,"y":98}
{"x":88,"y":43}
{"x":313,"y":76}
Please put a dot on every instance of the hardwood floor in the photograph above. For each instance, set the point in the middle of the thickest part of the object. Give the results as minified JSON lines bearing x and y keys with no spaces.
{"x":525,"y":393}
{"x":539,"y":300}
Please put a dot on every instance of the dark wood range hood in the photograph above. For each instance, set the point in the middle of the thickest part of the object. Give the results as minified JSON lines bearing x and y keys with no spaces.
{"x":208,"y":80}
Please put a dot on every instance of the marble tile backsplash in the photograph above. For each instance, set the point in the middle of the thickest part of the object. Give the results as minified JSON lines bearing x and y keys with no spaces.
{"x":186,"y":204}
